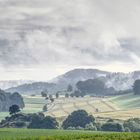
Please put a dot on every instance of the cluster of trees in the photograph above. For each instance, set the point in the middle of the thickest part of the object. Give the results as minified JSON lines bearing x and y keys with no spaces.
{"x":97,"y":87}
{"x":40,"y":121}
{"x":93,"y":87}
{"x":132,"y":125}
{"x":89,"y":87}
{"x":21,"y":120}
{"x":49,"y":96}
{"x":7,"y":99}
{"x":77,"y":120}
{"x":80,"y":120}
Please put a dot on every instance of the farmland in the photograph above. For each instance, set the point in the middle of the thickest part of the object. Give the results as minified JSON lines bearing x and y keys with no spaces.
{"x":30,"y":134}
{"x":33,"y":104}
{"x":118,"y":107}
{"x":114,"y":107}
{"x":64,"y":106}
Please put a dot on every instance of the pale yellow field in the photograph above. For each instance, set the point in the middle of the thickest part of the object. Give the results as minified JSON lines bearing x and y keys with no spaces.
{"x":64,"y":106}
{"x":121,"y":114}
{"x":98,"y":107}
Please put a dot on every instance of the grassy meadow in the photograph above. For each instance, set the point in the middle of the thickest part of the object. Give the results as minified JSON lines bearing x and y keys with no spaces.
{"x":127,"y":101}
{"x":30,"y":134}
{"x":33,"y":104}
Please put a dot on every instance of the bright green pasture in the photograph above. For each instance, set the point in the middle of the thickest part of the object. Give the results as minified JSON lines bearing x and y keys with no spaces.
{"x":30,"y":134}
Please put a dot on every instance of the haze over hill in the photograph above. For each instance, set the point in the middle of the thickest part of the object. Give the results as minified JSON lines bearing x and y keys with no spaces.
{"x":119,"y":81}
{"x":13,"y":83}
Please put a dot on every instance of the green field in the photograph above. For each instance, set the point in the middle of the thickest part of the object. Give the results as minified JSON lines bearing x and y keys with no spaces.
{"x":33,"y":104}
{"x":3,"y":115}
{"x":127,"y":101}
{"x":30,"y":134}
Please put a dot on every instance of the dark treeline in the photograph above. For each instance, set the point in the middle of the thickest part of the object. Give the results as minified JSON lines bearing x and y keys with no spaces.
{"x":7,"y":99}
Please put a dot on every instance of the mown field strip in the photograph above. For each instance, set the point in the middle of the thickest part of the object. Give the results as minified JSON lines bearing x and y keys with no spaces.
{"x":65,"y":106}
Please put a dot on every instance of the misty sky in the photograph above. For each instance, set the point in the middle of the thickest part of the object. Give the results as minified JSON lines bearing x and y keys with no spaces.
{"x":40,"y":39}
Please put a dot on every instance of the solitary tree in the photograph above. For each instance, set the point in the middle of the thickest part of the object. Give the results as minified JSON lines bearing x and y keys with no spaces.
{"x":45,"y":108}
{"x":44,"y":93}
{"x":50,"y":96}
{"x":14,"y":109}
{"x":57,"y":95}
{"x":52,"y":100}
{"x":78,"y":119}
{"x":69,"y":88}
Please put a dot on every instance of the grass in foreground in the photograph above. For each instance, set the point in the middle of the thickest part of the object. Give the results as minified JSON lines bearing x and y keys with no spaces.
{"x":30,"y":134}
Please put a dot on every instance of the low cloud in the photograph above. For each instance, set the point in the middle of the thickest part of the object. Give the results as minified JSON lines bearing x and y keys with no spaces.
{"x":75,"y":33}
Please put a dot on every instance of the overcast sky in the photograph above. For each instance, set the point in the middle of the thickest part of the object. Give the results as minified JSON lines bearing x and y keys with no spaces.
{"x":40,"y":39}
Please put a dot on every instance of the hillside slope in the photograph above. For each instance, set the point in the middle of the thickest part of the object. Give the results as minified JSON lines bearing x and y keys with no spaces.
{"x":127,"y":101}
{"x":119,"y":81}
{"x":34,"y":88}
{"x":5,"y":84}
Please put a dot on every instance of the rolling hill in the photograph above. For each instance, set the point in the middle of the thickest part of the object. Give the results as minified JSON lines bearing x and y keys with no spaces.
{"x":5,"y":84}
{"x":119,"y":81}
{"x":33,"y":88}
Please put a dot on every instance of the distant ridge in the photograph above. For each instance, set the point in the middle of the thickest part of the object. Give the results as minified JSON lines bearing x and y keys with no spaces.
{"x":118,"y":80}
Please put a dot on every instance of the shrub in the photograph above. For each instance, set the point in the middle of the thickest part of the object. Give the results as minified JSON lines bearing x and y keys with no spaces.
{"x":71,"y":128}
{"x":126,"y":129}
{"x":79,"y":128}
{"x":98,"y":126}
{"x":132,"y":124}
{"x":43,"y":122}
{"x":90,"y":126}
{"x":45,"y":108}
{"x":20,"y":124}
{"x":109,"y":126}
{"x":110,"y":120}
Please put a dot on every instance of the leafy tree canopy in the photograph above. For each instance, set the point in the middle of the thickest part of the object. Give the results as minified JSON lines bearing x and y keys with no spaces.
{"x":41,"y":122}
{"x":14,"y":109}
{"x":112,"y":126}
{"x":78,"y":119}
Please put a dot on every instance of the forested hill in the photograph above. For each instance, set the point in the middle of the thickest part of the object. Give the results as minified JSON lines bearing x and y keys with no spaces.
{"x":8,"y":99}
{"x":116,"y":80}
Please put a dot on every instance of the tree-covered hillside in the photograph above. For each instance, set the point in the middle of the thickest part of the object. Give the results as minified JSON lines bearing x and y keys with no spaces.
{"x":8,"y":99}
